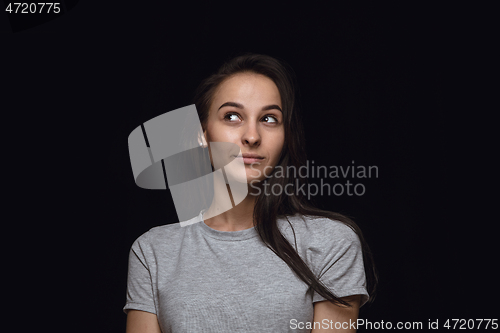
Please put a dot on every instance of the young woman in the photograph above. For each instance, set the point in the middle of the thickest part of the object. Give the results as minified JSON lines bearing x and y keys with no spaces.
{"x":273,"y":262}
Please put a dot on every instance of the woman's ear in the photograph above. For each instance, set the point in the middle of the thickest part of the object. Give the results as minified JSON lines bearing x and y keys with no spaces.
{"x":202,"y":141}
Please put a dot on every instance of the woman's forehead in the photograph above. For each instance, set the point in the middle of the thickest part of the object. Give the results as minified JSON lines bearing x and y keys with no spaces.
{"x":248,"y":88}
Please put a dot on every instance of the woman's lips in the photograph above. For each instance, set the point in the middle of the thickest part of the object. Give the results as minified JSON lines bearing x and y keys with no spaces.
{"x":251,"y":158}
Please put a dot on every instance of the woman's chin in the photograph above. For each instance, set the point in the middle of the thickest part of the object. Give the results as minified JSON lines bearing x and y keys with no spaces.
{"x":254,"y":177}
{"x":249,"y":176}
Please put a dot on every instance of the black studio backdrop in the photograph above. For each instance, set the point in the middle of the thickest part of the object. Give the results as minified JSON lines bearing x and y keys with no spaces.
{"x":371,"y":78}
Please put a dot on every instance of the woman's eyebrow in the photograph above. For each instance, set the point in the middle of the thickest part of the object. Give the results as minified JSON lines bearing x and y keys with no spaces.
{"x":240,"y":106}
{"x":271,"y":107}
{"x":236,"y":105}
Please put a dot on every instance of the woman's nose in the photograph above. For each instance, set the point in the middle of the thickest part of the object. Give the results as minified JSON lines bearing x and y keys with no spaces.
{"x":251,"y":135}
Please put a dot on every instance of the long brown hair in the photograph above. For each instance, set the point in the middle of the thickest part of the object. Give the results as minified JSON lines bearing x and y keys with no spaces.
{"x":269,"y":208}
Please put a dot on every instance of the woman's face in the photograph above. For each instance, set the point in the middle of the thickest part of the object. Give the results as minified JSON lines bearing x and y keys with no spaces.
{"x":246,"y":111}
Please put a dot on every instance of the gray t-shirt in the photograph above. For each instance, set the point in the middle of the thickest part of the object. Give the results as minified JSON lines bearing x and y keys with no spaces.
{"x":198,"y":279}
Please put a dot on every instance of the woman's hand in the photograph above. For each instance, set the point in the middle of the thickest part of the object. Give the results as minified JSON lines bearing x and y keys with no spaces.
{"x":332,"y":314}
{"x":142,"y":322}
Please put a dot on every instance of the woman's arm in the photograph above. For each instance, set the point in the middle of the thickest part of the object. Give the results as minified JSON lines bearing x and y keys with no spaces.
{"x":142,"y":322}
{"x":327,"y":314}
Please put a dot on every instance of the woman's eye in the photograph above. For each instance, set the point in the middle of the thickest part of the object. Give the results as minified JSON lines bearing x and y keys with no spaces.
{"x":231,"y":117}
{"x":270,"y":119}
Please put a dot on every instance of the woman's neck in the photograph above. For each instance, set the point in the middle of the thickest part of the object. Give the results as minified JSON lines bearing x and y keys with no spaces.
{"x":232,"y":218}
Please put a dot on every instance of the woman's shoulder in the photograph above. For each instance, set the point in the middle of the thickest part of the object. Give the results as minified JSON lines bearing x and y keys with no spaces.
{"x":163,"y":234}
{"x":317,"y":228}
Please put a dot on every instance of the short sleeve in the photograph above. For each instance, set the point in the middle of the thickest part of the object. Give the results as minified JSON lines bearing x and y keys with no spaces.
{"x":139,"y":279}
{"x":337,"y":259}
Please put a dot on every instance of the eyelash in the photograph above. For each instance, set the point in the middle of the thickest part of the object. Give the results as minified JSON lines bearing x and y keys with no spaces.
{"x":235,"y":114}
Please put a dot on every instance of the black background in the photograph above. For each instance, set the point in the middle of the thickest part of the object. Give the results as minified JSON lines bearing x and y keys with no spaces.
{"x":375,"y":83}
